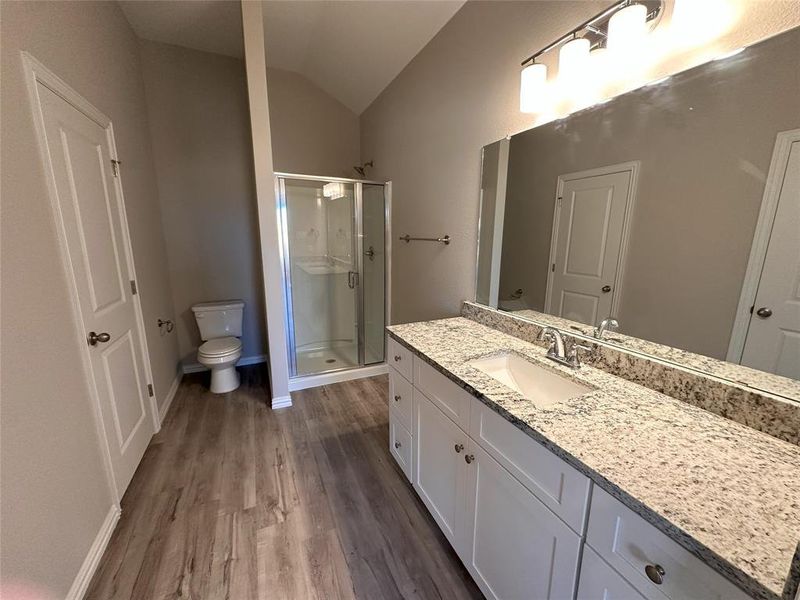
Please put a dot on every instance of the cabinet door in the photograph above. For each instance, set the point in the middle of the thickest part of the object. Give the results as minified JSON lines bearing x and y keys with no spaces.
{"x":439,"y":467}
{"x":400,"y":443}
{"x":598,"y":580}
{"x":512,"y":544}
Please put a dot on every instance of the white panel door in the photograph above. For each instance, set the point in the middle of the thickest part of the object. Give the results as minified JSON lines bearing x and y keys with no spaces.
{"x":587,"y":244}
{"x":92,"y":216}
{"x":511,"y":543}
{"x":773,"y":338}
{"x":439,"y":466}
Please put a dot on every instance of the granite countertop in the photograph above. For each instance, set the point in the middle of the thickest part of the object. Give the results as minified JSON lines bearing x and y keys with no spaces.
{"x":726,"y":492}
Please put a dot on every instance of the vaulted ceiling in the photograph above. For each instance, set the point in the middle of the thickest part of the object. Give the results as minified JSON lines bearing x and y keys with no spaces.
{"x":352,"y":49}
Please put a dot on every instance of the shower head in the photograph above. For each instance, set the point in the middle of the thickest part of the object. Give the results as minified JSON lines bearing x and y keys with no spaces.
{"x":363,"y":168}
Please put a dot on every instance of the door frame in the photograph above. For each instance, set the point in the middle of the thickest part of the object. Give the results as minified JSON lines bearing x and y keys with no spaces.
{"x":632,"y":167}
{"x":36,"y":73}
{"x":758,"y":250}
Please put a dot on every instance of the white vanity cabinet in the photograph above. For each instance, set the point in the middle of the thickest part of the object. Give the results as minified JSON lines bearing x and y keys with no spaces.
{"x":526,"y":524}
{"x":657,"y":566}
{"x":439,"y":471}
{"x":511,"y":543}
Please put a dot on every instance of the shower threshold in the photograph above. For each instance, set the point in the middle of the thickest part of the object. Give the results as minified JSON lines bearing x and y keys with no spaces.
{"x":302,"y":382}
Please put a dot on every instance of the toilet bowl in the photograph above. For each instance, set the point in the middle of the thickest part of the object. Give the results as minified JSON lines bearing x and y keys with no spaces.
{"x":220,"y":355}
{"x":220,"y":325}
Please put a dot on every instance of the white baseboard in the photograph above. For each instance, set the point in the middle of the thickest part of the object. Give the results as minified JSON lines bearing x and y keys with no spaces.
{"x":162,"y":412}
{"x":89,"y":566}
{"x":196,"y":367}
{"x":281,"y":402}
{"x":309,"y":381}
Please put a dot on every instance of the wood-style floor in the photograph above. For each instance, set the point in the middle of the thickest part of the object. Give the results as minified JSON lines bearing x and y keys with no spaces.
{"x":233,"y":500}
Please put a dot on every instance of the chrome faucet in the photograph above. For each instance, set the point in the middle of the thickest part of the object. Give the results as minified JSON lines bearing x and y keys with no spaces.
{"x":557,"y":351}
{"x":605,"y":324}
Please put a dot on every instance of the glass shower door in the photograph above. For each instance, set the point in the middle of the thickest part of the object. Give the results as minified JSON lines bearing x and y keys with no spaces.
{"x":321,"y":274}
{"x":373,"y":271}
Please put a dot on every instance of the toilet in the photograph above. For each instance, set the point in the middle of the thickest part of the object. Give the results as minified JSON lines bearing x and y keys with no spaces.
{"x":220,"y":325}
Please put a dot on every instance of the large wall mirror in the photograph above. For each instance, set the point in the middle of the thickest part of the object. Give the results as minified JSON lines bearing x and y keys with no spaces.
{"x":674,"y":209}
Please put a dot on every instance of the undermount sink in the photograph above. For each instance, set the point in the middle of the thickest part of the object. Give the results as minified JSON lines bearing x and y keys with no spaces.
{"x":537,"y":384}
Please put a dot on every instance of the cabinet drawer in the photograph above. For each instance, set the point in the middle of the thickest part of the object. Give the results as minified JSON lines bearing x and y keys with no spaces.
{"x":598,"y":580}
{"x":400,"y":397}
{"x":452,"y":400}
{"x":400,"y":444}
{"x":561,"y":488}
{"x":630,"y":544}
{"x":400,"y":358}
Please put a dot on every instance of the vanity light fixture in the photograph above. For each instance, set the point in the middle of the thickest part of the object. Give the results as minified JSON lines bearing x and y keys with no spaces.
{"x":631,"y":21}
{"x":627,"y":28}
{"x":533,"y":80}
{"x":573,"y":59}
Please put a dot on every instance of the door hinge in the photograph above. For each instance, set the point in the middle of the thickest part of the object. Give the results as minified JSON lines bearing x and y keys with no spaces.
{"x":150,"y":390}
{"x":553,"y":267}
{"x":115,"y":166}
{"x":133,"y":287}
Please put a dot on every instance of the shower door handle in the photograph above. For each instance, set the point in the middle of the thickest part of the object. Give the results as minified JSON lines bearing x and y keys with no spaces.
{"x":352,"y":279}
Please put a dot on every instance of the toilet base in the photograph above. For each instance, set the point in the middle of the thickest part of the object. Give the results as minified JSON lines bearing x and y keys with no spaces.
{"x":224,"y":380}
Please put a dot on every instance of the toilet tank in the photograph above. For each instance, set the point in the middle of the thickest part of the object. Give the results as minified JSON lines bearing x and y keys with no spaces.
{"x":219,"y":319}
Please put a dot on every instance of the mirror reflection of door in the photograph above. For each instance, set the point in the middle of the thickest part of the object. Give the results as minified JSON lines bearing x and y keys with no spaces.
{"x":588,"y":244}
{"x":773,"y":336}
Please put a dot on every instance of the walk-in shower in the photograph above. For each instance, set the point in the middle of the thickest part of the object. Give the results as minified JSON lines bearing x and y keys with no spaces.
{"x":334,"y":235}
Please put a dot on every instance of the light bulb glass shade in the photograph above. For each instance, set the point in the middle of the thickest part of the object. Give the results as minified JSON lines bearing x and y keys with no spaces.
{"x":532,"y":83}
{"x":573,"y":59}
{"x":627,"y":27}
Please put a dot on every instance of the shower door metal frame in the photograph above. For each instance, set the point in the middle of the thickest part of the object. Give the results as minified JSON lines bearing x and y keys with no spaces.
{"x":358,"y":225}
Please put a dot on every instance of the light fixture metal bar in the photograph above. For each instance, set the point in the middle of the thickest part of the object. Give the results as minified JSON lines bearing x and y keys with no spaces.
{"x":601,"y":18}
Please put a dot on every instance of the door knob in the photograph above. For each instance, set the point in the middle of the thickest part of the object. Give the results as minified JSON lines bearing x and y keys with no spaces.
{"x":764,"y":312}
{"x":397,"y":444}
{"x":459,"y":447}
{"x":93,"y":338}
{"x":469,"y":458}
{"x":397,"y":398}
{"x":606,"y":288}
{"x":371,"y":253}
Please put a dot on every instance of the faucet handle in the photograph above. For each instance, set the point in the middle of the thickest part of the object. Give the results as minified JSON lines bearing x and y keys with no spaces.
{"x":574,"y":354}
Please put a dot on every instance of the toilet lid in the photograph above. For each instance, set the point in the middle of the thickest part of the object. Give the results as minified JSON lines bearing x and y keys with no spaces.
{"x":220,"y":346}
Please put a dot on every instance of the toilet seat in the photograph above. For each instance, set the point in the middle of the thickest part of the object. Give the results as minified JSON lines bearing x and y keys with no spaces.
{"x":219,"y":347}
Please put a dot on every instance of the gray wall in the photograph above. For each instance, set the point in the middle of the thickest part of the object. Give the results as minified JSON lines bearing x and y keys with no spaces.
{"x":54,"y":488}
{"x":704,"y":142}
{"x":461,"y":92}
{"x":199,"y":125}
{"x":312,"y":132}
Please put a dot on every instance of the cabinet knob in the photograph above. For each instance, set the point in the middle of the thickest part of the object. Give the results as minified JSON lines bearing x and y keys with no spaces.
{"x":469,"y":458}
{"x":397,"y":358}
{"x":397,"y":398}
{"x":655,"y":573}
{"x":397,"y":444}
{"x":459,"y":447}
